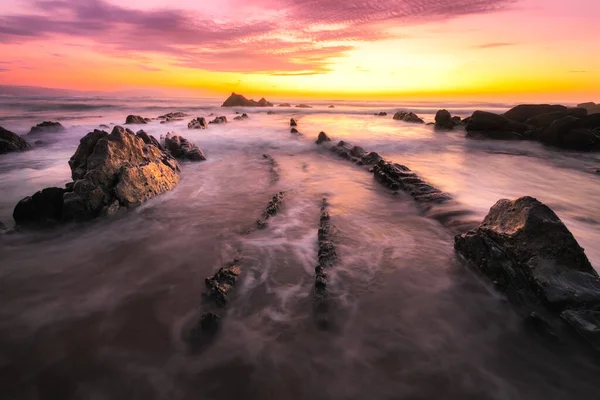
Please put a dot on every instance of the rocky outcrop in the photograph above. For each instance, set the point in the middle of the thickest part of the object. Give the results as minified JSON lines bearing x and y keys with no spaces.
{"x":591,"y":107}
{"x":109,"y":171}
{"x":47,"y":127}
{"x":136,"y":120}
{"x":529,"y":254}
{"x":284,"y":105}
{"x":237,"y":100}
{"x":173,"y":116}
{"x":198,"y":123}
{"x":241,"y":117}
{"x":543,"y":121}
{"x":523,"y":112}
{"x":148,"y":139}
{"x":408,"y":117}
{"x":381,"y":114}
{"x":303,"y":106}
{"x":293,"y":122}
{"x":271,"y":210}
{"x":444,"y":120}
{"x":323,"y":138}
{"x":273,"y":167}
{"x":295,"y":131}
{"x":571,"y":133}
{"x":219,"y":120}
{"x":10,"y":142}
{"x":488,"y":125}
{"x":327,"y":257}
{"x":183,"y":149}
{"x":220,"y":284}
{"x":331,"y":106}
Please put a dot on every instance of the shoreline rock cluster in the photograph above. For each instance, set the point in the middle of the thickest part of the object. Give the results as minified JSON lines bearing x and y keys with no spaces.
{"x":272,"y":209}
{"x":327,"y":257}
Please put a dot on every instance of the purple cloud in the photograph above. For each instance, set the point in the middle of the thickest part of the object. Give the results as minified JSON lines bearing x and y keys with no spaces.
{"x":304,"y":39}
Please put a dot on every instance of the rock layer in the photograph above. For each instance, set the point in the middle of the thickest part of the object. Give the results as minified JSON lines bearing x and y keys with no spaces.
{"x":327,"y":257}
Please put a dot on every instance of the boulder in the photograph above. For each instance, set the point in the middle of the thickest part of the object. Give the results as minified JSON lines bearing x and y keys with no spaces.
{"x":10,"y":142}
{"x":294,"y":131}
{"x":357,"y":151}
{"x":323,"y":138}
{"x":293,"y":122}
{"x":457,"y":121}
{"x":589,"y":122}
{"x":381,"y":114}
{"x":443,"y":120}
{"x":181,"y":148}
{"x":197,"y":123}
{"x":173,"y":116}
{"x":148,"y":139}
{"x":523,"y":112}
{"x":543,"y":121}
{"x":284,"y":105}
{"x":525,"y":249}
{"x":568,"y":133}
{"x":408,"y":117}
{"x":371,"y":158}
{"x":303,"y":106}
{"x":331,"y":106}
{"x":237,"y":100}
{"x":219,"y":120}
{"x":110,"y":171}
{"x":135,"y":119}
{"x":581,"y":139}
{"x":591,"y":107}
{"x":241,"y":117}
{"x":486,"y":125}
{"x":47,"y":127}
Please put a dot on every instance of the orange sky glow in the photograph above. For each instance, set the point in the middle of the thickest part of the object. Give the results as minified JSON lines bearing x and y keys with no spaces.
{"x":351,"y":49}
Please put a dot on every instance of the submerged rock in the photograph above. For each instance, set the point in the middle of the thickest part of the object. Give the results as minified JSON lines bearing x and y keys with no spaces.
{"x":135,"y":119}
{"x":526,"y":250}
{"x":408,"y":117}
{"x":443,"y":120}
{"x":293,"y":122}
{"x":197,"y":123}
{"x":47,"y":127}
{"x":381,"y":114}
{"x":237,"y":100}
{"x":327,"y":257}
{"x":284,"y":105}
{"x":523,"y":112}
{"x":303,"y":106}
{"x":241,"y":117}
{"x":10,"y":142}
{"x":323,"y":138}
{"x":183,"y":149}
{"x":110,"y":171}
{"x":219,"y":120}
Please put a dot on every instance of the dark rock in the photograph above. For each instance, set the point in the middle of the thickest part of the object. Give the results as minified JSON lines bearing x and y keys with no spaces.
{"x":327,"y":257}
{"x":543,"y":121}
{"x":148,"y":139}
{"x":357,"y":151}
{"x":483,"y":121}
{"x":237,"y":100}
{"x":270,"y":112}
{"x":381,"y":114}
{"x":219,"y":120}
{"x":197,"y":123}
{"x":241,"y":117}
{"x":10,"y":142}
{"x":284,"y":105}
{"x":104,"y":126}
{"x":456,"y":119}
{"x":273,"y":168}
{"x":408,"y":117}
{"x":181,"y":148}
{"x":557,"y":130}
{"x":589,"y":122}
{"x":173,"y":116}
{"x":443,"y":120}
{"x":44,"y":208}
{"x":47,"y":127}
{"x":273,"y":206}
{"x":371,"y":158}
{"x":495,"y":135}
{"x":303,"y":106}
{"x":591,"y":107}
{"x":135,"y":119}
{"x":331,"y":106}
{"x":294,"y":131}
{"x":221,"y":283}
{"x":586,"y":323}
{"x":323,"y":138}
{"x":208,"y":325}
{"x":293,"y":122}
{"x":523,"y":112}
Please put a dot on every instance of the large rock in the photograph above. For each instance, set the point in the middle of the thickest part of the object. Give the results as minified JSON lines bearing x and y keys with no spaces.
{"x":219,"y":120}
{"x":10,"y":142}
{"x":523,"y":112}
{"x":486,"y":121}
{"x":135,"y":119}
{"x":323,"y":138}
{"x":197,"y":123}
{"x":293,"y":122}
{"x":303,"y":106}
{"x":443,"y":120}
{"x":572,"y":133}
{"x":589,"y":122}
{"x":181,"y":148}
{"x":237,"y":100}
{"x":47,"y":127}
{"x":591,"y":107}
{"x":110,"y":171}
{"x":408,"y":117}
{"x":543,"y":121}
{"x":525,"y":249}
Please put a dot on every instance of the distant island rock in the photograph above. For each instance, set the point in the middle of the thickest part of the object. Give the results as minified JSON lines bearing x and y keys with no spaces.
{"x":47,"y":127}
{"x":284,"y":105}
{"x":10,"y":142}
{"x":237,"y":100}
{"x":303,"y":106}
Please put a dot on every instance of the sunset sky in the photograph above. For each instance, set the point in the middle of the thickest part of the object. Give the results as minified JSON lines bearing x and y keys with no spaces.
{"x":538,"y":49}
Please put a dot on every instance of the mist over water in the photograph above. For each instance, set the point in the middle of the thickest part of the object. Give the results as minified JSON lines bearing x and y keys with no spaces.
{"x":97,"y":311}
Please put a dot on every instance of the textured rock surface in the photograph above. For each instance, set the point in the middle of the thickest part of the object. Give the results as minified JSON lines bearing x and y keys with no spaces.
{"x":47,"y":127}
{"x":10,"y":142}
{"x":198,"y":123}
{"x":135,"y":119}
{"x":408,"y":117}
{"x":322,"y":138}
{"x":183,"y":149}
{"x":237,"y":100}
{"x":271,"y":210}
{"x":219,"y":120}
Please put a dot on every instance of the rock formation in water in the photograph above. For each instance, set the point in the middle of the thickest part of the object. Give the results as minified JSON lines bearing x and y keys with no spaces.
{"x":10,"y":142}
{"x":523,"y":112}
{"x":173,"y":116}
{"x":293,"y":122}
{"x":110,"y":172}
{"x":47,"y":127}
{"x":221,"y":283}
{"x":136,"y":120}
{"x":326,"y":257}
{"x":271,"y":210}
{"x":303,"y":106}
{"x":149,"y":139}
{"x":381,"y":114}
{"x":529,"y":254}
{"x":331,"y":106}
{"x":322,"y":138}
{"x":237,"y":100}
{"x":408,"y":117}
{"x":445,"y":121}
{"x":198,"y":123}
{"x":219,"y":120}
{"x":295,"y":131}
{"x":183,"y":149}
{"x":273,"y":167}
{"x":284,"y":105}
{"x":241,"y":117}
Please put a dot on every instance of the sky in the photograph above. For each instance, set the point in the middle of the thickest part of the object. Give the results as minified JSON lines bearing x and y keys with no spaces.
{"x":330,"y":49}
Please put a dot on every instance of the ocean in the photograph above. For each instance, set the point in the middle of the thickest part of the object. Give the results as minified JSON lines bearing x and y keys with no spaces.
{"x":98,"y":311}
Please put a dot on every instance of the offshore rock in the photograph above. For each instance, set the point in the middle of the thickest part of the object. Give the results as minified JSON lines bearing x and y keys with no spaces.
{"x":10,"y":142}
{"x":183,"y":149}
{"x":47,"y":127}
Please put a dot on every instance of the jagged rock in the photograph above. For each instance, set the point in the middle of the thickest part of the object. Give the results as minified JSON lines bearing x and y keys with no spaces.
{"x":148,"y":139}
{"x":241,"y":117}
{"x":284,"y":105}
{"x":44,"y":208}
{"x":381,"y":114}
{"x":371,"y":158}
{"x":183,"y":149}
{"x":219,"y":285}
{"x":294,"y":131}
{"x":523,"y":112}
{"x":323,"y":138}
{"x":237,"y":100}
{"x":135,"y":119}
{"x":293,"y":122}
{"x":443,"y":120}
{"x":303,"y":106}
{"x":526,"y":250}
{"x":219,"y":120}
{"x":10,"y":142}
{"x":197,"y":123}
{"x":173,"y":116}
{"x":591,"y":107}
{"x":47,"y":127}
{"x":408,"y":117}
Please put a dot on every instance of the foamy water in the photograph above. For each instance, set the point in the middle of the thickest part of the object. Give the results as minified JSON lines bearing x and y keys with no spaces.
{"x":98,"y":311}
